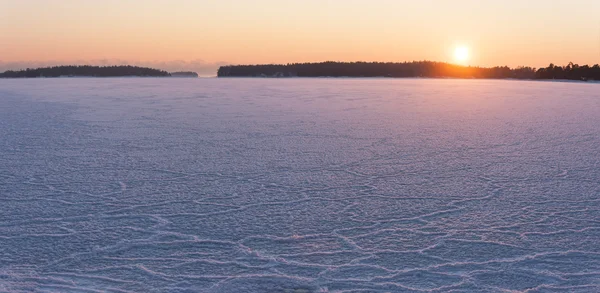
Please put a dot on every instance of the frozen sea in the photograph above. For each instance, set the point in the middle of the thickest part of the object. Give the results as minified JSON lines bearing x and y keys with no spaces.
{"x":299,"y":185}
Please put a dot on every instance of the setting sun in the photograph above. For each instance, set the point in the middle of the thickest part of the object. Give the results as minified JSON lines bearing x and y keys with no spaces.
{"x":461,"y":54}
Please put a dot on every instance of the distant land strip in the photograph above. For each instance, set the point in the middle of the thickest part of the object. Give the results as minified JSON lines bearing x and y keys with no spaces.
{"x":93,"y":71}
{"x":409,"y":69}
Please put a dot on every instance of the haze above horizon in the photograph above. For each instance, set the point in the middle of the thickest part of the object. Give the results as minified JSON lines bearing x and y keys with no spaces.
{"x":200,"y":35}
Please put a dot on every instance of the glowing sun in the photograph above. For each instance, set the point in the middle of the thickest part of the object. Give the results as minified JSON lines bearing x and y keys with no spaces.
{"x":461,"y":54}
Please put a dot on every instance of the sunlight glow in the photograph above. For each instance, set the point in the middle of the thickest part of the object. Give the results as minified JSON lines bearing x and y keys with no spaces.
{"x":461,"y":54}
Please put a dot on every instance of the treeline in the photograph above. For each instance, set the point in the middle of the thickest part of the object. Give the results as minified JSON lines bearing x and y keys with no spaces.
{"x":408,"y":69}
{"x":85,"y":70}
{"x":184,"y":74}
{"x":571,"y":72}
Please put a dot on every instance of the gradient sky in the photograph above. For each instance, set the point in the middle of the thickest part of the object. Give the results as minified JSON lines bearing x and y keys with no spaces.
{"x":210,"y":32}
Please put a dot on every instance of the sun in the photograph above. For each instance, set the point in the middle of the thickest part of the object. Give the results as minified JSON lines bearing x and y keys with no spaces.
{"x":461,"y":54}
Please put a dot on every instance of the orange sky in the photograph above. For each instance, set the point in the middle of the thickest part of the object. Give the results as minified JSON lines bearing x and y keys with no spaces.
{"x":207,"y":33}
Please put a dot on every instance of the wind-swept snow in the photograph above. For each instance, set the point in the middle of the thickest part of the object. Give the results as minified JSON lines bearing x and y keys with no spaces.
{"x":299,"y":185}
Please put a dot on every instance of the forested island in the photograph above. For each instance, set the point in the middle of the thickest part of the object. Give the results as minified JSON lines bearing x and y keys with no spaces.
{"x":184,"y":74}
{"x":409,"y":69}
{"x":86,"y":71}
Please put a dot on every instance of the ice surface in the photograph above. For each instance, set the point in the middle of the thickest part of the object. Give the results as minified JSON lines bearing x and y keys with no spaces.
{"x":299,"y":185}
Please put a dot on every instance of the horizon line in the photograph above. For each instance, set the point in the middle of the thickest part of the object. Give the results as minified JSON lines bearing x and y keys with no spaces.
{"x":296,"y":63}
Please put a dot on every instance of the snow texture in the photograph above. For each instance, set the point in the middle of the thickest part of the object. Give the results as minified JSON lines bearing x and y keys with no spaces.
{"x":299,"y":185}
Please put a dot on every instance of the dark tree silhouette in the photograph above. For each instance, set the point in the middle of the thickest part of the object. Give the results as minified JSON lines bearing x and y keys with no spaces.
{"x":570,"y":72}
{"x":85,"y":70}
{"x":334,"y":69}
{"x":408,"y":69}
{"x":184,"y":74}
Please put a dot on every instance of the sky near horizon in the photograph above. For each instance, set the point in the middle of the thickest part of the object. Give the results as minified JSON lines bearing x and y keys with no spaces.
{"x":205,"y":33}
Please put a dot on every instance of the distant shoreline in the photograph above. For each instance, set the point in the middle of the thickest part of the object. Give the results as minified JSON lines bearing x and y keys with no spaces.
{"x":82,"y":77}
{"x":415,"y":69}
{"x":374,"y":70}
{"x":401,"y":78}
{"x":320,"y":77}
{"x":72,"y":71}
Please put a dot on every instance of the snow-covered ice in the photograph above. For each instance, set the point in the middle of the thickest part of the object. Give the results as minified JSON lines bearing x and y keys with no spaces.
{"x":299,"y":185}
